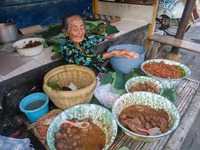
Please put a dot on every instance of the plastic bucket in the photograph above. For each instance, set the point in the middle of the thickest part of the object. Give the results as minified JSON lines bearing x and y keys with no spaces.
{"x":35,"y":106}
{"x":125,"y":65}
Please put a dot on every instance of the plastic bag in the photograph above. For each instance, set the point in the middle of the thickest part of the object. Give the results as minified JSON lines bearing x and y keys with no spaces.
{"x":105,"y":97}
{"x":8,"y":143}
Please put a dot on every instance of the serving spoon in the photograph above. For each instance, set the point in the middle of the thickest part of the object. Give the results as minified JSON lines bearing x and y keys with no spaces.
{"x":152,"y":131}
{"x":78,"y":124}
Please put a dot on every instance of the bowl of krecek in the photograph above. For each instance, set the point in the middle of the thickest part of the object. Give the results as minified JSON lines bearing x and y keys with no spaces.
{"x":168,"y":72}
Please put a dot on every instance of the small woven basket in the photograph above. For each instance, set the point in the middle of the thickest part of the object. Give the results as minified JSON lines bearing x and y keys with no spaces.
{"x":82,"y":77}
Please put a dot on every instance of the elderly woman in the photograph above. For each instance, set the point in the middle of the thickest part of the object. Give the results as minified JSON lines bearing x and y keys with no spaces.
{"x":79,"y":49}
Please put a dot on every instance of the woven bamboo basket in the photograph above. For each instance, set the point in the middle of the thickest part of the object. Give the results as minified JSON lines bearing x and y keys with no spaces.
{"x":82,"y":77}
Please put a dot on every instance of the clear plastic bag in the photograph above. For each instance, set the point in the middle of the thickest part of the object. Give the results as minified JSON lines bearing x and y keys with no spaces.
{"x":8,"y":143}
{"x":105,"y":97}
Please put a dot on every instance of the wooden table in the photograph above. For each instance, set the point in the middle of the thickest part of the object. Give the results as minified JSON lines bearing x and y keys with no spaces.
{"x":188,"y":104}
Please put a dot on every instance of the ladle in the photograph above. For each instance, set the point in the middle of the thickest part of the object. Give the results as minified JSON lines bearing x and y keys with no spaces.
{"x":152,"y":131}
{"x":78,"y":124}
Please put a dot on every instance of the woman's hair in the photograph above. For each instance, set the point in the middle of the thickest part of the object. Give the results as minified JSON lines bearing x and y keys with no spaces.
{"x":65,"y":24}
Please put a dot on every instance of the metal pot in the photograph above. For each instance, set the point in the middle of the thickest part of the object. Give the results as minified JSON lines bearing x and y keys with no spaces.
{"x":8,"y":32}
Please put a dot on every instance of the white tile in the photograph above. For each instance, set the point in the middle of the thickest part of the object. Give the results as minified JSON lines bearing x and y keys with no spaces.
{"x":125,"y":25}
{"x":24,"y":68}
{"x":45,"y":56}
{"x":141,"y":13}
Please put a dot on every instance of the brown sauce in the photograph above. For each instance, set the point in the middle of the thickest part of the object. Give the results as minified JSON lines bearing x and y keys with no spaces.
{"x":32,"y":44}
{"x":146,"y":86}
{"x":145,"y":117}
{"x":70,"y":137}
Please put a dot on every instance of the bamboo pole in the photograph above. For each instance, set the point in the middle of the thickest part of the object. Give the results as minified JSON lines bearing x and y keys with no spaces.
{"x":151,"y":28}
{"x":95,"y":7}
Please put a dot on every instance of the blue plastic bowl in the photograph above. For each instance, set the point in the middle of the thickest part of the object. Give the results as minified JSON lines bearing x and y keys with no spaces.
{"x":125,"y":65}
{"x":34,"y":114}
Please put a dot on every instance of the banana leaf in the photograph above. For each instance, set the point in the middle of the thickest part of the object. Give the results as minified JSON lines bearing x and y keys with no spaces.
{"x":54,"y":85}
{"x":118,"y":84}
{"x":110,"y":29}
{"x":107,"y":78}
{"x":170,"y":95}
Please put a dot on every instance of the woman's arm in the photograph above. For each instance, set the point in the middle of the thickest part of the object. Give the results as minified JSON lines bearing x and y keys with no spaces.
{"x":125,"y":53}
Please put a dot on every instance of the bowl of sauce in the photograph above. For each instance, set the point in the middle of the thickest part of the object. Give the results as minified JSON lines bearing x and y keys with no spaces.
{"x":35,"y":106}
{"x":100,"y":134}
{"x":145,"y":110}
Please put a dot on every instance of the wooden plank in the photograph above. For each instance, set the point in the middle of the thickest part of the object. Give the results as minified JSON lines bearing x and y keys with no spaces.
{"x":181,"y":132}
{"x":168,"y":40}
{"x":188,"y":97}
{"x":185,"y":97}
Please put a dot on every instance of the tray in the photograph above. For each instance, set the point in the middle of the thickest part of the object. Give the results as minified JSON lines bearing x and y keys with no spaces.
{"x":106,"y":18}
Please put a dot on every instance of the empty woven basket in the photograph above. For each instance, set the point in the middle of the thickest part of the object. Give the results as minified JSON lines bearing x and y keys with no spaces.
{"x":82,"y":77}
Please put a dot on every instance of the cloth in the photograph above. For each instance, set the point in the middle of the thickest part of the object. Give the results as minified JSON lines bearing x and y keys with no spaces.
{"x":7,"y":143}
{"x":194,"y":16}
{"x":72,"y":55}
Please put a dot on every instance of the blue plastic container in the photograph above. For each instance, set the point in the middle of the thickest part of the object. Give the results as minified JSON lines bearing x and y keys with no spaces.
{"x":125,"y":65}
{"x":34,"y":114}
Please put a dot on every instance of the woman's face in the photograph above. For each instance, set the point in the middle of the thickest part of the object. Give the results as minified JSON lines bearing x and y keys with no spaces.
{"x":76,"y":31}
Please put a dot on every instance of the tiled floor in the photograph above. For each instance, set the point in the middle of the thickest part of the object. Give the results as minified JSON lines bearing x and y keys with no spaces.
{"x":36,"y":61}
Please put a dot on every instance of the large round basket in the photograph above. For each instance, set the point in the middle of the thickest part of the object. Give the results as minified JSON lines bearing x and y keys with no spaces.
{"x":82,"y":77}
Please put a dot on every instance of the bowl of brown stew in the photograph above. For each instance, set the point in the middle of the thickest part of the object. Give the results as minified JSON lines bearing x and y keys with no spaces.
{"x":144,"y":83}
{"x":99,"y":135}
{"x":145,"y":110}
{"x":168,"y":72}
{"x":29,"y":46}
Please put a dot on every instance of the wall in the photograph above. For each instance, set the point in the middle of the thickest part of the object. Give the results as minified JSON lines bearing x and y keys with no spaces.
{"x":140,"y":13}
{"x":43,"y":12}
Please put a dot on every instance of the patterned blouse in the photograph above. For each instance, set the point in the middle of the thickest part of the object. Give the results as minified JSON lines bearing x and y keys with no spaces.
{"x":72,"y":55}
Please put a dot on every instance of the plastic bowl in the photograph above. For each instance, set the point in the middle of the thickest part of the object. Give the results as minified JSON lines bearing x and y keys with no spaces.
{"x":125,"y":65}
{"x":33,"y":108}
{"x":99,"y":115}
{"x":142,"y":79}
{"x":151,"y":99}
{"x":32,"y":51}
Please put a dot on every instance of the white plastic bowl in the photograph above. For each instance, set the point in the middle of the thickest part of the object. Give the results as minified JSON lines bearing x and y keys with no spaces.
{"x":32,"y":51}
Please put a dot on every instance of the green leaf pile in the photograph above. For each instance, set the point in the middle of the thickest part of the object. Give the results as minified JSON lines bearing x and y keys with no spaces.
{"x":117,"y":80}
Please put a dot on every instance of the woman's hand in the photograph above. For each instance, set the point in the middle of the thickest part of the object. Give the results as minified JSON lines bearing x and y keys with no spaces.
{"x":110,"y":36}
{"x":125,"y":53}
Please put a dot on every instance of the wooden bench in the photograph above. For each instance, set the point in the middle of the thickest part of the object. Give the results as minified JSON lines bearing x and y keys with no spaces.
{"x":161,"y":40}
